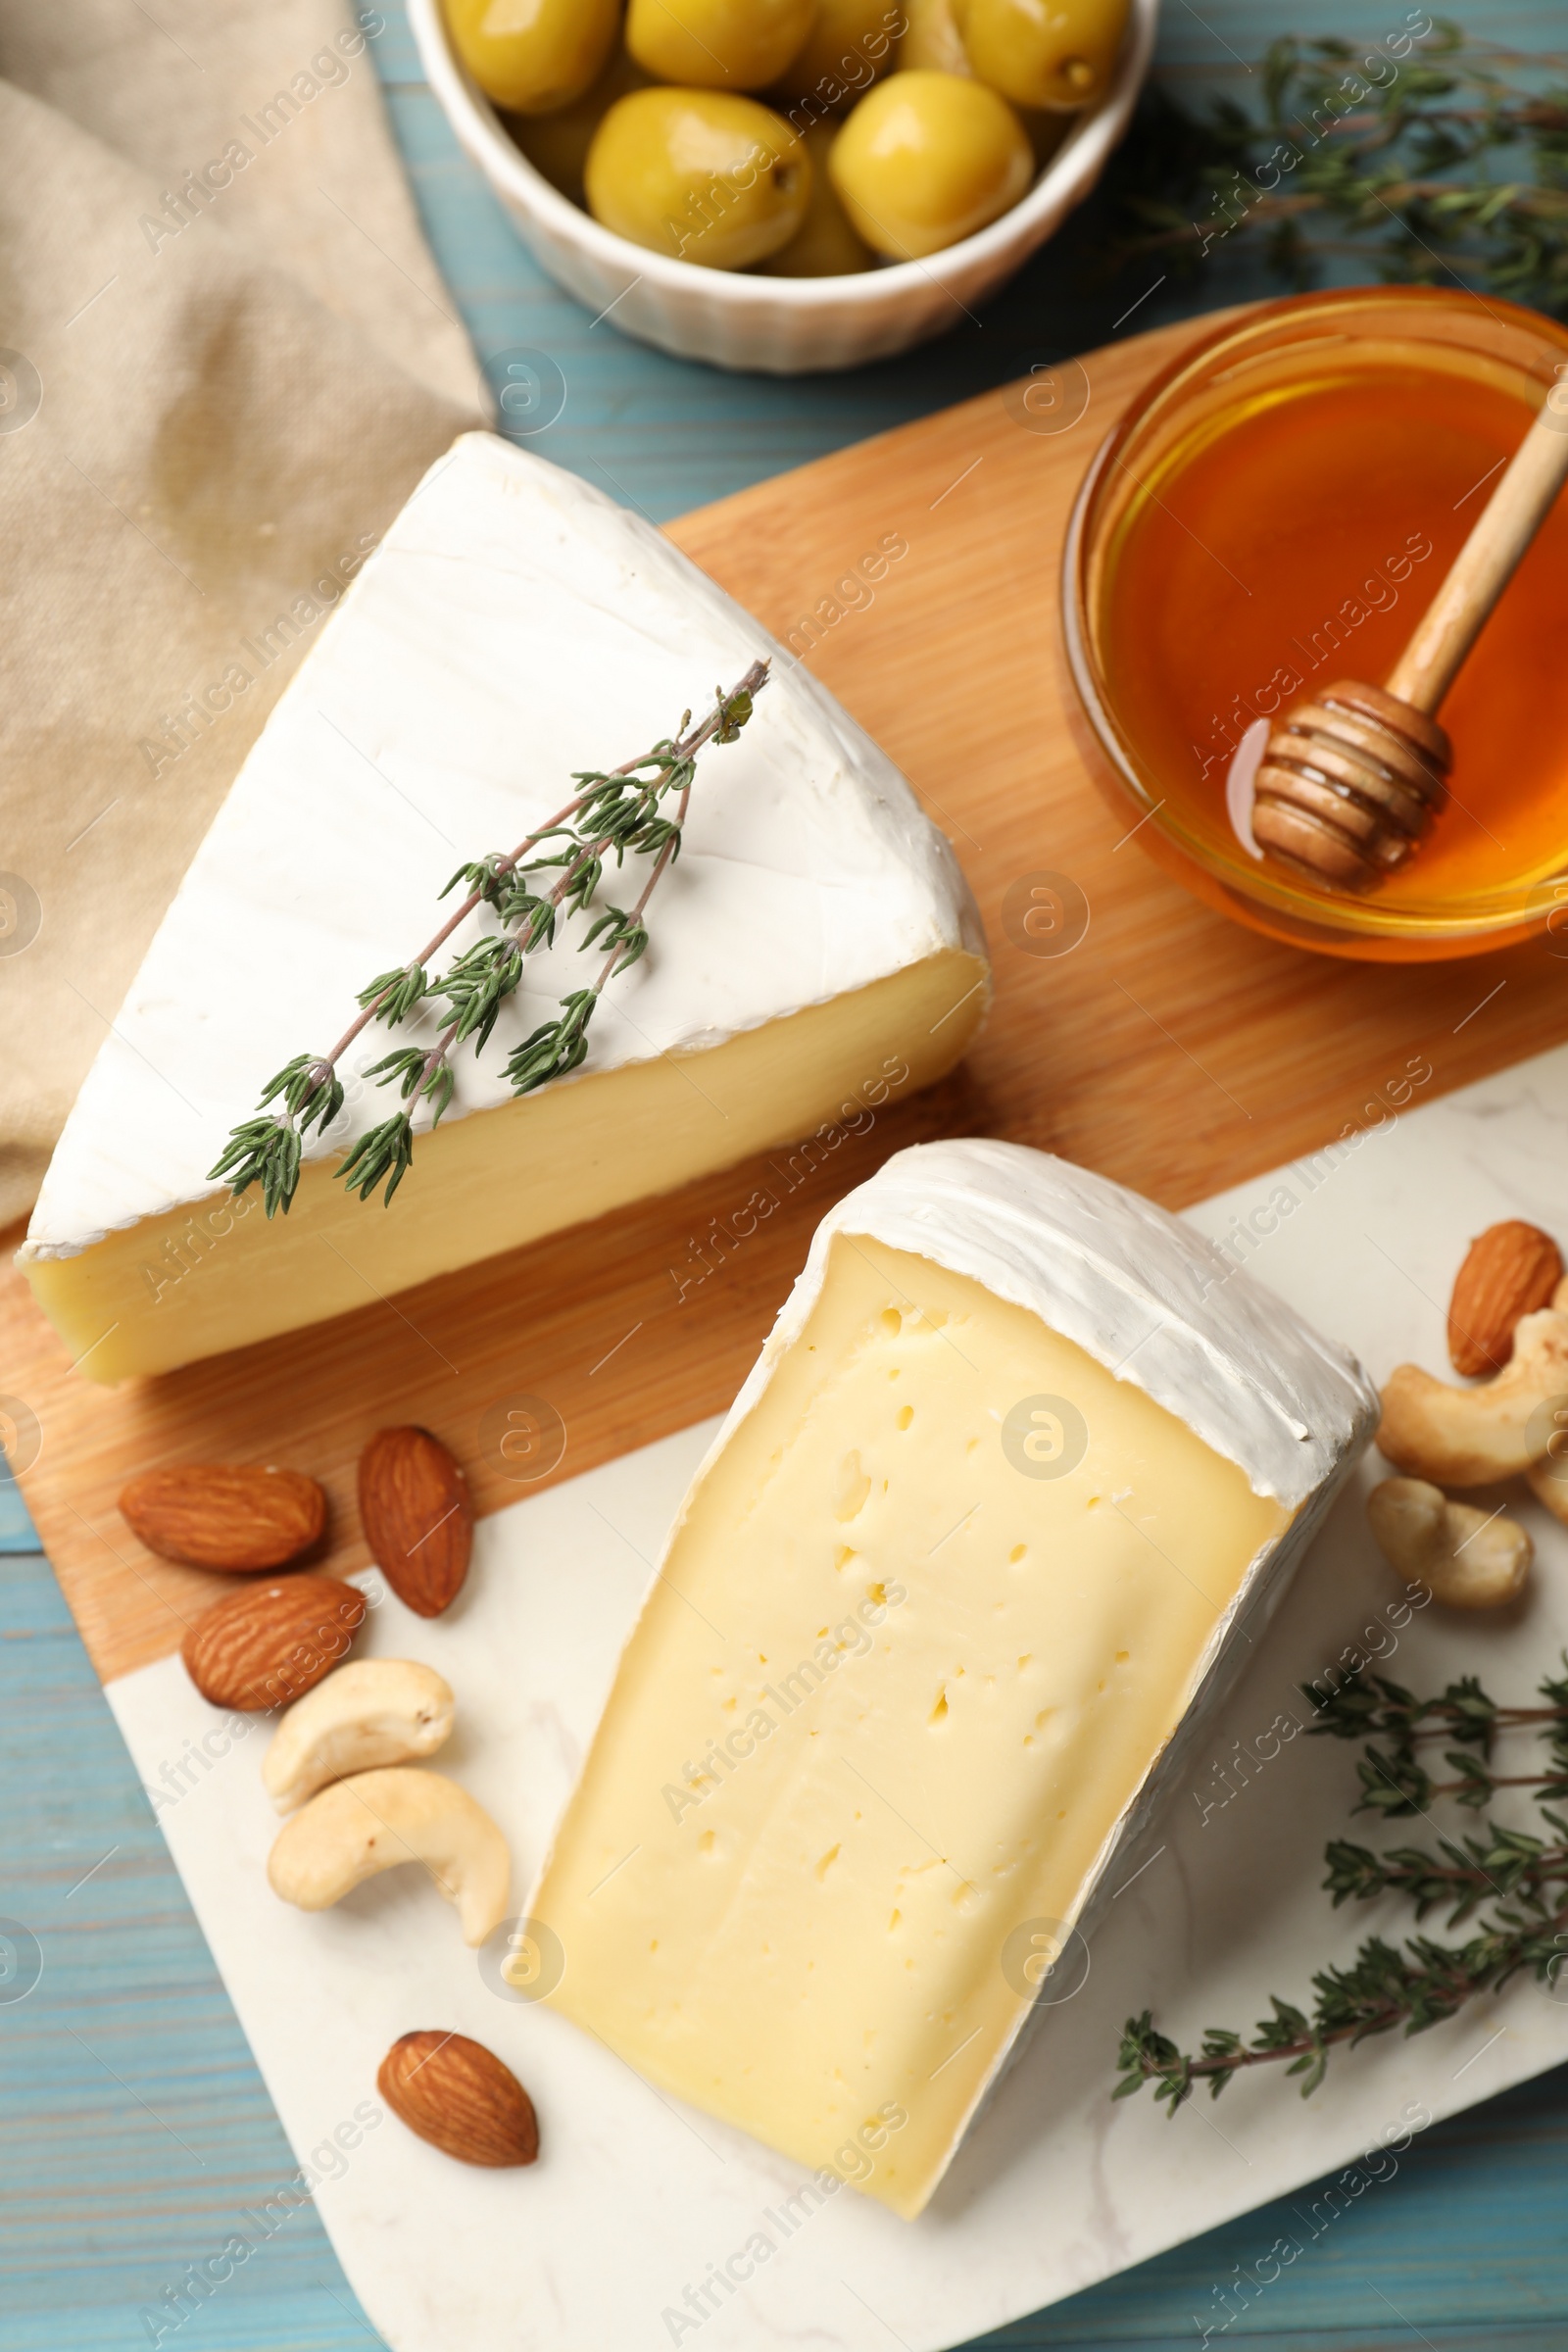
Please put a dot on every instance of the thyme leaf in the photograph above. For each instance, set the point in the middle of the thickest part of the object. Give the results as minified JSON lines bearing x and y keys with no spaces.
{"x":1434,"y":158}
{"x":1521,"y":1876}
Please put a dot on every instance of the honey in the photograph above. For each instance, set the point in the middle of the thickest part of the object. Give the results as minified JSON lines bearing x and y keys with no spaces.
{"x":1300,"y":543}
{"x":1279,"y":516}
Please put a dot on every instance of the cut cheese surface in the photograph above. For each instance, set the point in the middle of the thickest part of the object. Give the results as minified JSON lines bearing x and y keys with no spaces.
{"x":882,"y":1713}
{"x":814,"y":939}
{"x":174,"y":1289}
{"x":938,"y":1599}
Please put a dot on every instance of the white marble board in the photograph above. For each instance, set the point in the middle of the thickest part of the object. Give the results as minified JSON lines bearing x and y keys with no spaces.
{"x":645,"y":2224}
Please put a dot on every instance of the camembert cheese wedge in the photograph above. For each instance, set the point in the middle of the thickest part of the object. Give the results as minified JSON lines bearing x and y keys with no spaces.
{"x":814,"y":940}
{"x":1020,"y":1466}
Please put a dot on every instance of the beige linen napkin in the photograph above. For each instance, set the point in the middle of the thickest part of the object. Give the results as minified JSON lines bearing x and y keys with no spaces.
{"x":225,"y":358}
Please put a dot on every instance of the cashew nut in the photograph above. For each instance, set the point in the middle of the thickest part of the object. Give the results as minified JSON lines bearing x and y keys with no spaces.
{"x":1549,"y":1484}
{"x":1470,"y":1436}
{"x":375,"y":1711}
{"x":378,"y":1819}
{"x":1464,"y":1558}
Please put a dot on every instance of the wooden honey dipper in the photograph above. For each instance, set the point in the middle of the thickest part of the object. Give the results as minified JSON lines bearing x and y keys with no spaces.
{"x":1351,"y":780}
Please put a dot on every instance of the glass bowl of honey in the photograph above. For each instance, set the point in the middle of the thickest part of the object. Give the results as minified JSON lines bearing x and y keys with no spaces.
{"x":1275,"y":511}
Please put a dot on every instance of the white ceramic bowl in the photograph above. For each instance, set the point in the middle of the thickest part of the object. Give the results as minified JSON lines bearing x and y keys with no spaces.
{"x":781,"y":325}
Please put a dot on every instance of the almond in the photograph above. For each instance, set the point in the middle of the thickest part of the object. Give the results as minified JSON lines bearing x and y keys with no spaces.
{"x":458,"y":2095}
{"x":1511,"y":1270}
{"x":267,"y":1644}
{"x":216,"y":1515}
{"x":419,"y":1518}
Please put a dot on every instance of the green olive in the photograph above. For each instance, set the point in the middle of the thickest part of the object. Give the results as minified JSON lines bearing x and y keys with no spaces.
{"x":533,"y":56}
{"x":926,"y":159}
{"x":718,"y":44}
{"x":931,"y":40}
{"x":825,"y":245}
{"x":557,"y":144}
{"x":850,"y":43}
{"x":718,"y":180}
{"x":1054,"y":53}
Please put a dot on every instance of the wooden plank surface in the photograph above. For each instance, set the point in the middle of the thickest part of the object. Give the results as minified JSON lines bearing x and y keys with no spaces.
{"x":1171,"y":1049}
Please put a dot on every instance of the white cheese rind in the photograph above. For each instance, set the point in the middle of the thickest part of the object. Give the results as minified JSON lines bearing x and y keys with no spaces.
{"x":514,"y":627}
{"x":1142,"y":1293}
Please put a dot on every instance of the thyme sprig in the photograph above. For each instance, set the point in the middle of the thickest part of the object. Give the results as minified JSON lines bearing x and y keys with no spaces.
{"x":1430,"y":160}
{"x":1523,"y":1878}
{"x":1394,"y":1780}
{"x":617,"y":813}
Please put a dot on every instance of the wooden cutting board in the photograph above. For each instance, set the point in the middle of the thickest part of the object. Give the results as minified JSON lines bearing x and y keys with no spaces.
{"x":1171,"y":1049}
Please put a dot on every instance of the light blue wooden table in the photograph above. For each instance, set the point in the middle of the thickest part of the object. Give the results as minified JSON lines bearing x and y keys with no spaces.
{"x":133,"y":2124}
